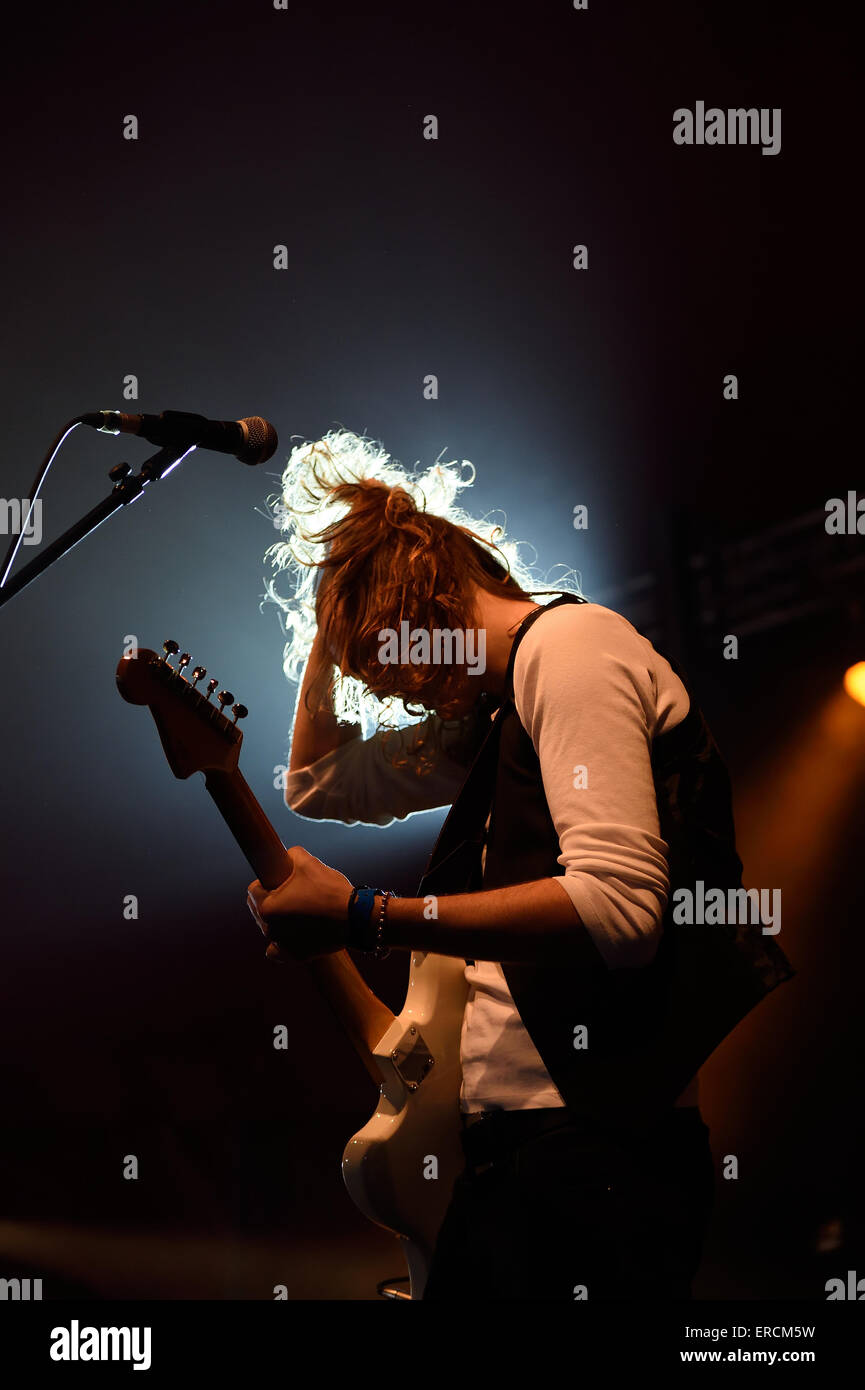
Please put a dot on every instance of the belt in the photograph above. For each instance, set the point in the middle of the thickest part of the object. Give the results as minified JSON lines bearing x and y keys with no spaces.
{"x":488,"y":1136}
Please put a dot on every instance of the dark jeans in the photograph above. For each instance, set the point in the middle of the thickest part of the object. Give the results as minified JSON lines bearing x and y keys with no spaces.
{"x":547,"y":1207}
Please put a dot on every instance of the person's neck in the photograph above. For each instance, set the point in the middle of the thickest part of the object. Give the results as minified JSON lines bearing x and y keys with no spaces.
{"x":499,"y":617}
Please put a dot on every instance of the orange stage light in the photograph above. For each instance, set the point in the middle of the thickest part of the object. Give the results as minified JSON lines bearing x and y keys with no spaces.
{"x":854,"y":682}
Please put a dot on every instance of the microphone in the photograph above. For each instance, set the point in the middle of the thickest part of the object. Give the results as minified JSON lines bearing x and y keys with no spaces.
{"x":251,"y":440}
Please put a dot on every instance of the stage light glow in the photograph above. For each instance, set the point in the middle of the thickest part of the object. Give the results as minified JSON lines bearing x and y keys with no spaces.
{"x":854,"y":682}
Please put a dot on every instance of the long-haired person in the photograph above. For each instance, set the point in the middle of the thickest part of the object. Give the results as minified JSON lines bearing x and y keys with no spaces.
{"x":418,"y":630}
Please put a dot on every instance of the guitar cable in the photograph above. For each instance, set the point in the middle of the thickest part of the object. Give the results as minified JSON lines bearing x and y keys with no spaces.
{"x":386,"y":1288}
{"x":41,"y":475}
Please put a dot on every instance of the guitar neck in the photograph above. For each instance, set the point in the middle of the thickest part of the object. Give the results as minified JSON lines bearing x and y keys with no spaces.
{"x":361,"y":1014}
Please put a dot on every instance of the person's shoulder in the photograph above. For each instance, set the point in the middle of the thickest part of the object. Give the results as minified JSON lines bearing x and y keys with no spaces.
{"x":585,"y":622}
{"x":581,"y":649}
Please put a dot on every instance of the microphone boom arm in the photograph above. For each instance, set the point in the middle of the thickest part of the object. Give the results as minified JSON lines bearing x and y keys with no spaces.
{"x":127,"y":488}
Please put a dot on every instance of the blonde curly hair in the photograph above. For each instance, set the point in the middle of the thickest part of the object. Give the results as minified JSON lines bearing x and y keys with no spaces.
{"x":367,"y":544}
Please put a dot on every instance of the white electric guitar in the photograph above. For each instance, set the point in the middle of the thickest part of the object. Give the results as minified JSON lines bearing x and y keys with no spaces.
{"x":401,"y":1167}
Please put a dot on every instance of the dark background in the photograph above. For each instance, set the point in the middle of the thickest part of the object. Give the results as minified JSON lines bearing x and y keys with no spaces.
{"x":603,"y":387}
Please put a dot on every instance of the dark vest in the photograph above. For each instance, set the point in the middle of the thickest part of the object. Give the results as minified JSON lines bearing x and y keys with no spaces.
{"x":648,"y":1029}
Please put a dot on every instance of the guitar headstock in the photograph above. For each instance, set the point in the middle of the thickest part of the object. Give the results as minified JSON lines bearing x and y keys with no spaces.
{"x":196,"y":734}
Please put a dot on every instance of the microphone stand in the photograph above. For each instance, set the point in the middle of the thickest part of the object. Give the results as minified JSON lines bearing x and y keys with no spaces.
{"x":127,"y":487}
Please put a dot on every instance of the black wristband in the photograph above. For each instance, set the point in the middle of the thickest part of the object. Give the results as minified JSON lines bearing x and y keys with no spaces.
{"x":365,"y":932}
{"x":360,"y":927}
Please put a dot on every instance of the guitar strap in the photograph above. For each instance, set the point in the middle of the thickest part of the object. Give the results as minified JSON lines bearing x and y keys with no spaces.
{"x":455,"y":865}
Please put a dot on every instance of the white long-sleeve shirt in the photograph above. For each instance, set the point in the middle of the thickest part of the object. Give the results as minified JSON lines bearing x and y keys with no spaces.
{"x":591,"y":693}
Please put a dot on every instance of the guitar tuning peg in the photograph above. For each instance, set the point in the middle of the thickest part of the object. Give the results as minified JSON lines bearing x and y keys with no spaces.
{"x":198,"y":675}
{"x":239,"y":712}
{"x":170,"y":648}
{"x":225,"y":698}
{"x":211,"y":686}
{"x":184,"y":661}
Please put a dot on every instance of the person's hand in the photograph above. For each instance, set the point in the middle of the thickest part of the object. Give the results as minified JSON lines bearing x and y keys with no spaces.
{"x":307,"y":915}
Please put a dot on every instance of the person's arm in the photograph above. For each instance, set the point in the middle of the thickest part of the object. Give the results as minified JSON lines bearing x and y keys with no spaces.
{"x":335,"y":774}
{"x":585,"y":696}
{"x":312,"y":738}
{"x":527,"y":922}
{"x":531,"y":922}
{"x":585,"y":692}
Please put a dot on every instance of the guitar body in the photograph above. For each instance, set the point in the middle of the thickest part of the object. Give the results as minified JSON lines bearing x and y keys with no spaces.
{"x":401,"y":1167}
